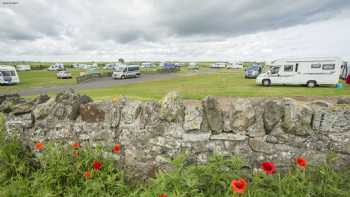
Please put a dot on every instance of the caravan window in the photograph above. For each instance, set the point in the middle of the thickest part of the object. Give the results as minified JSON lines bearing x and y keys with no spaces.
{"x":288,"y":68}
{"x":328,"y":66}
{"x":315,"y":65}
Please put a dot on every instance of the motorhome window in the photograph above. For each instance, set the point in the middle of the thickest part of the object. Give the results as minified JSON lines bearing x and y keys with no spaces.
{"x":288,"y":68}
{"x":328,"y":66}
{"x":296,"y":67}
{"x":315,"y":65}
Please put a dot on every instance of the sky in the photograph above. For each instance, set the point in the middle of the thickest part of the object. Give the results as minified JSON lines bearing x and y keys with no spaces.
{"x":182,"y":30}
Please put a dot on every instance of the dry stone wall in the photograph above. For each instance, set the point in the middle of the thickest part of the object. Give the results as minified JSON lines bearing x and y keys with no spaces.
{"x":256,"y":129}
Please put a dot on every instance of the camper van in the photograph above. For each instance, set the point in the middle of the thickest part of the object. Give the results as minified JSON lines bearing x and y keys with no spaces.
{"x":23,"y":68}
{"x":304,"y":71}
{"x":56,"y":67}
{"x":234,"y":66}
{"x":126,"y":71}
{"x":8,"y":75}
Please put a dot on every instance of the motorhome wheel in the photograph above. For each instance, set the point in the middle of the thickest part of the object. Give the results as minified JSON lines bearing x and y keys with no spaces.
{"x":311,"y":84}
{"x":266,"y":82}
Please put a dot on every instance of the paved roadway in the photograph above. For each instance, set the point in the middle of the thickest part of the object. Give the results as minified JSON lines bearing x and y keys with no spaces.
{"x":99,"y":83}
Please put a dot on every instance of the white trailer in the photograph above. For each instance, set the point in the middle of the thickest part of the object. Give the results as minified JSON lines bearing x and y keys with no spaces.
{"x":23,"y":68}
{"x":147,"y":65}
{"x":8,"y":75}
{"x":218,"y":65}
{"x":302,"y":71}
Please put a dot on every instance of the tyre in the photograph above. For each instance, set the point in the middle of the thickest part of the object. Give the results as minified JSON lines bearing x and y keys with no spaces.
{"x":266,"y":82}
{"x":122,"y":77}
{"x":311,"y":84}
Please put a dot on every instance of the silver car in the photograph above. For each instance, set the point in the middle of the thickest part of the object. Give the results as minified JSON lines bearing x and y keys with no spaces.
{"x":63,"y":75}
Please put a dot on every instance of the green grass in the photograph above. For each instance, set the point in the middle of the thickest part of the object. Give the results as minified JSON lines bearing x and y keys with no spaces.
{"x":223,"y":83}
{"x":39,"y":78}
{"x":190,"y":84}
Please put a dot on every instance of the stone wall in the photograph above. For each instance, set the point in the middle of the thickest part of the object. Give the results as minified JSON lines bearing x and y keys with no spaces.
{"x":256,"y":129}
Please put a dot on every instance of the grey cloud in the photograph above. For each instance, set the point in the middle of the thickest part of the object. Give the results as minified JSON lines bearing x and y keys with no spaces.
{"x":226,"y":17}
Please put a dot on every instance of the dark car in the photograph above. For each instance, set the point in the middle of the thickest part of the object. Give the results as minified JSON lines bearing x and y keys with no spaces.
{"x":253,"y":71}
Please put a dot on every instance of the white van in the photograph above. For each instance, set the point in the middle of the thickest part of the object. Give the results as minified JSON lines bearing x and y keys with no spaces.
{"x":304,"y":71}
{"x":126,"y":71}
{"x":56,"y":67}
{"x":23,"y":67}
{"x":8,"y":75}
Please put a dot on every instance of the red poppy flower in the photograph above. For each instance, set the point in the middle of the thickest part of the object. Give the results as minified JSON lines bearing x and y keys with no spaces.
{"x":116,"y":148}
{"x":97,"y":165}
{"x":39,"y":146}
{"x":163,"y":195}
{"x":268,"y":167}
{"x":239,"y":185}
{"x":76,"y":145}
{"x":87,"y":174}
{"x":301,"y":162}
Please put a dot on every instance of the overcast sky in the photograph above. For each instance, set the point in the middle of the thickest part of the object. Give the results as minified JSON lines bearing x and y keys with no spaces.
{"x":189,"y":30}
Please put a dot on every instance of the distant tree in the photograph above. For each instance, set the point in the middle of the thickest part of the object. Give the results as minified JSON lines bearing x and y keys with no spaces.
{"x":121,"y":60}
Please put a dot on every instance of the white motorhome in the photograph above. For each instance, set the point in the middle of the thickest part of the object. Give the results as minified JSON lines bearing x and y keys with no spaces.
{"x":56,"y":67}
{"x":23,"y":67}
{"x":8,"y":75}
{"x":302,"y":71}
{"x":126,"y":71}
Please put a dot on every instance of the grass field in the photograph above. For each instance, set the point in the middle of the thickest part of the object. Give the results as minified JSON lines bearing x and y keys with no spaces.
{"x":190,"y":85}
{"x":222,"y":83}
{"x":39,"y":78}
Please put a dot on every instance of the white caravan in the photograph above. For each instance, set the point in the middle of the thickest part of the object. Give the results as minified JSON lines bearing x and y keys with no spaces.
{"x":303,"y":71}
{"x":23,"y":68}
{"x":235,"y":66}
{"x":126,"y":71}
{"x":218,"y":65}
{"x":147,"y":65}
{"x":8,"y":75}
{"x":56,"y":67}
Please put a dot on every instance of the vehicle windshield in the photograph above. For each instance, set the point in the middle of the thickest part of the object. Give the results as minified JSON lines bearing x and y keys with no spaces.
{"x":7,"y":73}
{"x":253,"y":68}
{"x":274,"y":69}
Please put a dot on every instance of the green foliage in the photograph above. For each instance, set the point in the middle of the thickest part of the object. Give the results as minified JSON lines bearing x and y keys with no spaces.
{"x":59,"y":169}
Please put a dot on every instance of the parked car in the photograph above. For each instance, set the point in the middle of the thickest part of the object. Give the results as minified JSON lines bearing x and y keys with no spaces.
{"x":23,"y":68}
{"x":253,"y":71}
{"x":8,"y":75}
{"x":303,"y":71}
{"x":126,"y":71}
{"x":56,"y":67}
{"x":63,"y":75}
